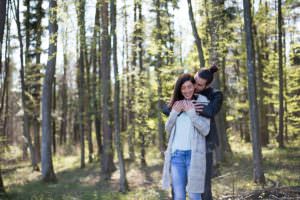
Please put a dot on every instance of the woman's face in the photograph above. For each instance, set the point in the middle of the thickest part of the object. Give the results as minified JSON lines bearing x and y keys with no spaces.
{"x":187,"y":90}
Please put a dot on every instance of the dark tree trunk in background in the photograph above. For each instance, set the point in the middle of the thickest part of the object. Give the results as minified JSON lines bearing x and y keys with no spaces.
{"x":53,"y":118}
{"x":64,"y":105}
{"x":280,"y":74}
{"x":196,"y":35}
{"x":258,"y":174}
{"x":2,"y":27}
{"x":1,"y":183}
{"x":48,"y":174}
{"x":81,"y":84}
{"x":107,"y":165}
{"x":158,"y":65}
{"x":27,"y":142}
{"x":123,"y":180}
{"x":95,"y":81}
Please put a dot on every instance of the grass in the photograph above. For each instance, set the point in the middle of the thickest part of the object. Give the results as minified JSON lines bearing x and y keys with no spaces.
{"x":281,"y":166}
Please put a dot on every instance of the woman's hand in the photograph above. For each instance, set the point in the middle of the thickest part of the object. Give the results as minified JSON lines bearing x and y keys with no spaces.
{"x":188,"y":105}
{"x":178,"y":106}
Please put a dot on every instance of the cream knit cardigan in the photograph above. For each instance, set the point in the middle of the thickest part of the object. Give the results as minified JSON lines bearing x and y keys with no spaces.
{"x":196,"y":176}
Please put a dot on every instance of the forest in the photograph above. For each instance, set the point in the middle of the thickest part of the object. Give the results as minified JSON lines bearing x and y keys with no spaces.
{"x":83,"y":83}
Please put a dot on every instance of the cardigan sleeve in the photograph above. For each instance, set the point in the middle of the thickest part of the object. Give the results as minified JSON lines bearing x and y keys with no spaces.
{"x":171,"y":121}
{"x":202,"y":124}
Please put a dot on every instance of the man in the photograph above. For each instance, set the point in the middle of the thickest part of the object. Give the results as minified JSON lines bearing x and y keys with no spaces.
{"x":203,"y":80}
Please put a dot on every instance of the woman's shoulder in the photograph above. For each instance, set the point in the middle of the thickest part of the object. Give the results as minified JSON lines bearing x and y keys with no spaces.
{"x":202,"y":98}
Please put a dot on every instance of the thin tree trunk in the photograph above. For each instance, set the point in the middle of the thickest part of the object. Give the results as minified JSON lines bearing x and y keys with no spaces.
{"x":53,"y":118}
{"x":81,"y":85}
{"x":123,"y":180}
{"x":27,"y":142}
{"x":280,"y":74}
{"x":158,"y":65}
{"x":96,"y":81}
{"x":2,"y":190}
{"x":107,"y":156}
{"x":196,"y":35}
{"x":48,"y":174}
{"x":258,"y":174}
{"x":2,"y":27}
{"x":64,"y":108}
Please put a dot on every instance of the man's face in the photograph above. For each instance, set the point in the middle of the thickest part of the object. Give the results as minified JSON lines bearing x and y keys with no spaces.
{"x":200,"y":84}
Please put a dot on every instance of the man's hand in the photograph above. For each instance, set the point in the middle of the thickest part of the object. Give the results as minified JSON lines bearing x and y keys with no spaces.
{"x":199,"y":107}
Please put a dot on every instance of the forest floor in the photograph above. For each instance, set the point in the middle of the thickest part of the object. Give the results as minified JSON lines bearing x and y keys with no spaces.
{"x":281,"y":167}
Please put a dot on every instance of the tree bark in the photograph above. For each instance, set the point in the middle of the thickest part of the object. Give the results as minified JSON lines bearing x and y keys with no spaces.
{"x":2,"y":190}
{"x":107,"y":155}
{"x":280,"y":74}
{"x":123,"y":180}
{"x":258,"y":174}
{"x":2,"y":27}
{"x":28,"y":141}
{"x":81,"y":84}
{"x":48,"y":174}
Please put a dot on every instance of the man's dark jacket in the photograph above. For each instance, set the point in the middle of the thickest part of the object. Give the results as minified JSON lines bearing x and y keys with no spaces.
{"x":215,"y":98}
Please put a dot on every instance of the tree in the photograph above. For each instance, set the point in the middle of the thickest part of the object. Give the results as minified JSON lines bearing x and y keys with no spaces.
{"x":1,"y":184}
{"x":256,"y":146}
{"x":196,"y":35}
{"x":107,"y":165}
{"x":48,"y":174}
{"x":280,"y":73}
{"x":28,"y":141}
{"x":2,"y":27}
{"x":123,"y":180}
{"x":81,"y":80}
{"x":95,"y":59}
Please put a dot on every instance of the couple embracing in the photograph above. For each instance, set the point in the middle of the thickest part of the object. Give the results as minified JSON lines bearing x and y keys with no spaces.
{"x":192,"y":136}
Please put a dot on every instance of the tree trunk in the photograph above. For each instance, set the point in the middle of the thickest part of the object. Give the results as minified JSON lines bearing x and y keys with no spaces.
{"x":2,"y":27}
{"x":27,"y":141}
{"x":280,"y":74}
{"x":256,"y":146}
{"x":2,"y":191}
{"x":64,"y":106}
{"x":123,"y":180}
{"x":48,"y":174}
{"x":95,"y":81}
{"x":107,"y":155}
{"x":81,"y":84}
{"x":196,"y":35}
{"x":158,"y":65}
{"x":53,"y":118}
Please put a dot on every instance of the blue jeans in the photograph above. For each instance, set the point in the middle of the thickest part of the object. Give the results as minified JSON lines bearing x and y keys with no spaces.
{"x":180,"y":164}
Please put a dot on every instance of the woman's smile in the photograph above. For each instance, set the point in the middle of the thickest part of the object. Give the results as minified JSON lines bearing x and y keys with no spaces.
{"x":187,"y":90}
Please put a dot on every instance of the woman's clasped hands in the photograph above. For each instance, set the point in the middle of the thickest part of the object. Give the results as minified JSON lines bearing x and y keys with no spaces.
{"x":183,"y":105}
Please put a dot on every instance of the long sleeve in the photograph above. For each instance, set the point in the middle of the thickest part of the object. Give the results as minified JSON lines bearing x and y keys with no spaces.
{"x":165,"y":109}
{"x":214,"y":105}
{"x":202,"y":124}
{"x":171,"y":121}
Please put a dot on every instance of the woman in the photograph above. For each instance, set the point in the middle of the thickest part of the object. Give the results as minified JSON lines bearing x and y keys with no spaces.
{"x":185,"y":155}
